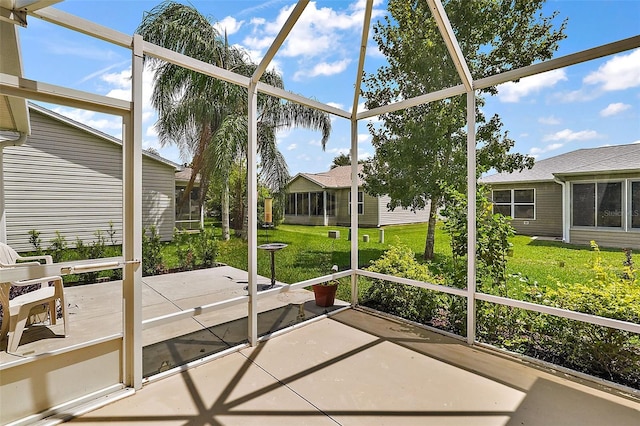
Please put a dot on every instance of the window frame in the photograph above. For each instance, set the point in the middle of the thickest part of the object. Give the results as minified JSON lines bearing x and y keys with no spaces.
{"x":512,"y":202}
{"x":625,"y":204}
{"x":316,"y":203}
{"x":632,"y":210}
{"x":360,"y":203}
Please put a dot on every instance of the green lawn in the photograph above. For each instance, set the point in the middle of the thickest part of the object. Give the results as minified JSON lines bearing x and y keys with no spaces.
{"x":310,"y":253}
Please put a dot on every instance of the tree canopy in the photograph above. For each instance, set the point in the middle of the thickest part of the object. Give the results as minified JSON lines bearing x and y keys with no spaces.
{"x":207,"y":118}
{"x":422,"y":149}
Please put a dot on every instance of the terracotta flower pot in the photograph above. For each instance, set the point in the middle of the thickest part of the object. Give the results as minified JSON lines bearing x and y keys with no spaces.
{"x":325,"y":294}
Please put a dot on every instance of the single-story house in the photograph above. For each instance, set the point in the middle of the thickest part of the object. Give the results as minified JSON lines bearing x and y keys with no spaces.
{"x":579,"y":196}
{"x":190,"y":217}
{"x":325,"y":199}
{"x":67,"y":177}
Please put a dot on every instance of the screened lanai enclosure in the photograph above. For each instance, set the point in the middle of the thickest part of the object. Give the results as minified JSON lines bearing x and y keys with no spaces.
{"x":125,"y":339}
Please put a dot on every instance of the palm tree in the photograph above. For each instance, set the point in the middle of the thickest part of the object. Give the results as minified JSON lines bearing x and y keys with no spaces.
{"x":341,"y":160}
{"x":206,"y":117}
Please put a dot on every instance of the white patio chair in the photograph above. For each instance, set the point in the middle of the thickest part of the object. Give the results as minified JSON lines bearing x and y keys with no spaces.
{"x":16,"y":311}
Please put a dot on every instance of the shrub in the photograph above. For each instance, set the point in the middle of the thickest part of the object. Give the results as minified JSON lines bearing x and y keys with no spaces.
{"x":412,"y":303}
{"x":206,"y":248}
{"x":152,"y":263}
{"x":36,"y":241}
{"x":58,"y":248}
{"x":601,"y":351}
{"x":492,"y":246}
{"x":593,"y":349}
{"x":185,"y":250}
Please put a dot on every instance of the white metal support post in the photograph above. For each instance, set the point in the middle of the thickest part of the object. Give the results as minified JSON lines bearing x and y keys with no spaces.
{"x":325,"y":219}
{"x":354,"y":152}
{"x":471,"y":217}
{"x":3,"y":214}
{"x":252,"y":197}
{"x":354,"y":210}
{"x":132,"y":225}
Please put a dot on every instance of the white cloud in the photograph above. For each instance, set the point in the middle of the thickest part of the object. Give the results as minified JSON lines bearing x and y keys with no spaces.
{"x":613,"y":109}
{"x":569,"y":135}
{"x":108,"y":124}
{"x":303,"y":157}
{"x":374,"y":52}
{"x":551,"y":120}
{"x":103,"y":70}
{"x":336,"y":105}
{"x":338,"y":151}
{"x":314,"y":142}
{"x":551,"y":147}
{"x":85,"y":50}
{"x":228,"y":24}
{"x":513,"y":92}
{"x":151,"y":132}
{"x":580,"y":95}
{"x":364,"y":156}
{"x":364,"y":137}
{"x":292,"y":146}
{"x":323,"y":68}
{"x":258,"y":43}
{"x":319,"y":33}
{"x":618,"y":73}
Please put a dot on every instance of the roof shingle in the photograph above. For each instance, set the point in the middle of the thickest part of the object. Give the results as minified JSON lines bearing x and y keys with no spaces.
{"x":587,"y":161}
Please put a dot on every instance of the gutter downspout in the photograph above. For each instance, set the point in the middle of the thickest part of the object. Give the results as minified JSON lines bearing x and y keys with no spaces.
{"x":565,"y":206}
{"x":22,"y":138}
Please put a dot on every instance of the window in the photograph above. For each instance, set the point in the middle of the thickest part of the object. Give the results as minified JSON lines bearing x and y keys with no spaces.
{"x":584,"y":200}
{"x":360,"y":202}
{"x":609,"y":207}
{"x":317,"y":203}
{"x":597,"y":204}
{"x":305,"y":204}
{"x":290,"y":206}
{"x":635,"y":205}
{"x":302,"y":204}
{"x":331,"y":203}
{"x":517,"y":203}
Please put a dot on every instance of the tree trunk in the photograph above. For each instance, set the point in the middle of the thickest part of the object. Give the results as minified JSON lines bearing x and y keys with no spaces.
{"x":225,"y":210}
{"x":431,"y":232}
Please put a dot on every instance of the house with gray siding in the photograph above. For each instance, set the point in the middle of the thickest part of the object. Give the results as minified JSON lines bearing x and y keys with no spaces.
{"x":579,"y":196}
{"x":325,"y":199}
{"x":67,"y":177}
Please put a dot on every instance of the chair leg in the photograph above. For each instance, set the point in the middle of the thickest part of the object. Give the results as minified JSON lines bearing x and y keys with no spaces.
{"x":14,"y":338}
{"x":65,"y":314}
{"x":53,"y":314}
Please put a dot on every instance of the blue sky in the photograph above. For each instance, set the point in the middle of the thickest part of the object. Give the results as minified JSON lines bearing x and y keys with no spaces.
{"x":583,"y":106}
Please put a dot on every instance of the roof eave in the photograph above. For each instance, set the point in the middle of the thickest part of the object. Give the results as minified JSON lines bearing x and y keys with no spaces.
{"x":597,"y":173}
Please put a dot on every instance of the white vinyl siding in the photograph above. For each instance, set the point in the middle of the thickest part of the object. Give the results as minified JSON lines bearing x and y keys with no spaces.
{"x":158,"y":189}
{"x":68,"y":180}
{"x":400,"y":215}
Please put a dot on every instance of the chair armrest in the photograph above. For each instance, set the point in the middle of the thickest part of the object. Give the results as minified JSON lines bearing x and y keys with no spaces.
{"x":46,"y":257}
{"x":36,"y":281}
{"x":13,"y":265}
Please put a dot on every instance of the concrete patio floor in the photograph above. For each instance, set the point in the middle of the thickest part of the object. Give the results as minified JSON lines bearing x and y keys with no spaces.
{"x":356,"y":368}
{"x":95,"y":311}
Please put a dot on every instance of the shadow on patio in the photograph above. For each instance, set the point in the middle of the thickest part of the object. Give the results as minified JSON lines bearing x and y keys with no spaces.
{"x":357,"y":368}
